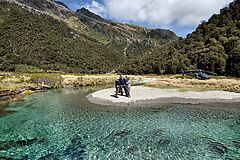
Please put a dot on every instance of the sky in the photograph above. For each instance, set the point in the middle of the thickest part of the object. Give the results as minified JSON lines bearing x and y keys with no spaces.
{"x":180,"y":16}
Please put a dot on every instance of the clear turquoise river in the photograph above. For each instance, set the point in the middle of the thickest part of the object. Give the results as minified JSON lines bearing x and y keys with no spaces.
{"x":62,"y":124}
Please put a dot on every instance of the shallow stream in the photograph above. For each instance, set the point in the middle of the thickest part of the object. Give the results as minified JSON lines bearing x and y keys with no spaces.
{"x":62,"y":124}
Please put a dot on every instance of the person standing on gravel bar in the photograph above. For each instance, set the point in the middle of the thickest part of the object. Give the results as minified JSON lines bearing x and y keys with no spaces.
{"x":119,"y":86}
{"x":128,"y":86}
{"x":125,"y":86}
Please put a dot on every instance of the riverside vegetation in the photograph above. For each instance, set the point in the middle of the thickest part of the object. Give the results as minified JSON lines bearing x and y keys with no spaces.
{"x":46,"y":35}
{"x":27,"y":83}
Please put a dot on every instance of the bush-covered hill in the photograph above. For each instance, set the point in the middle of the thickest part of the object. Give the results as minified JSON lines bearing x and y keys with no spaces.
{"x":31,"y":38}
{"x":47,"y":35}
{"x":123,"y":32}
{"x":34,"y":39}
{"x":127,"y":38}
{"x":213,"y":46}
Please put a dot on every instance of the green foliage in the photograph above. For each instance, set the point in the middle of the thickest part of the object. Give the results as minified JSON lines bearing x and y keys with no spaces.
{"x":33,"y":39}
{"x":213,"y":46}
{"x":219,"y":42}
{"x":34,"y":42}
{"x":28,"y":69}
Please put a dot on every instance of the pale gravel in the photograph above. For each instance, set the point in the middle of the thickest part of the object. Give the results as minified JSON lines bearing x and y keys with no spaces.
{"x":147,"y":94}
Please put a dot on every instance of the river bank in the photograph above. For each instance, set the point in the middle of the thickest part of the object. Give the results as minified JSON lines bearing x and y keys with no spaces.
{"x":15,"y":84}
{"x":26,"y":83}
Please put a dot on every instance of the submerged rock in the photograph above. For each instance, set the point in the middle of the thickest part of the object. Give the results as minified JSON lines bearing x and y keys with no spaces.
{"x":218,"y":147}
{"x":236,"y":144}
{"x":51,"y":156}
{"x":5,"y":145}
{"x":158,"y":131}
{"x":122,"y":133}
{"x":132,"y":150}
{"x":6,"y":158}
{"x":164,"y":142}
{"x":76,"y":150}
{"x":25,"y":158}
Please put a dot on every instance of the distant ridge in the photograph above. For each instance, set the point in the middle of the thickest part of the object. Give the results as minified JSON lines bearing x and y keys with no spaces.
{"x":61,"y":3}
{"x":87,"y":13}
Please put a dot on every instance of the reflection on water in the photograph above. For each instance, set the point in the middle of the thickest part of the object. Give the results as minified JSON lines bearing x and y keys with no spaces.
{"x":62,"y":124}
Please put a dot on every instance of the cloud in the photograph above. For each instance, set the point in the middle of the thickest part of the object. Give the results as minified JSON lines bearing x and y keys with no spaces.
{"x":182,"y":16}
{"x":163,"y":12}
{"x":96,"y":8}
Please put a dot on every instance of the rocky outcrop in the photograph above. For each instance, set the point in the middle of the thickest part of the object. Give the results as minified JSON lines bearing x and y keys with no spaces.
{"x":162,"y":34}
{"x":85,"y":12}
{"x":43,"y":5}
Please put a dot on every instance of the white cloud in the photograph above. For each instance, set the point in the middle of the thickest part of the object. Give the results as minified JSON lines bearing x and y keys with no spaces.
{"x":161,"y":12}
{"x":97,"y":8}
{"x":169,"y":14}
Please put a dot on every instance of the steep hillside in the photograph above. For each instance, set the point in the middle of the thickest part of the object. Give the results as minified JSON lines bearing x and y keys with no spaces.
{"x":121,"y":32}
{"x":129,"y":40}
{"x":46,"y":34}
{"x":97,"y":27}
{"x":30,"y":38}
{"x":214,"y":46}
{"x":56,"y":9}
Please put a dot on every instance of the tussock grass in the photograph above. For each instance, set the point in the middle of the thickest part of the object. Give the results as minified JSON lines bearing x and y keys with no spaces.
{"x":10,"y":81}
{"x":92,"y":80}
{"x":15,"y":80}
{"x":185,"y":84}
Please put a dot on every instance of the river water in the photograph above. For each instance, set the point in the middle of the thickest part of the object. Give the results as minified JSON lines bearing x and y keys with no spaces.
{"x":62,"y":124}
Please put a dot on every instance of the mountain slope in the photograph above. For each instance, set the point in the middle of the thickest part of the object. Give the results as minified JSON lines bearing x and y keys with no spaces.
{"x":33,"y":39}
{"x":213,"y":46}
{"x":46,"y":34}
{"x":56,"y":9}
{"x":121,"y":32}
{"x":36,"y":34}
{"x":96,"y":26}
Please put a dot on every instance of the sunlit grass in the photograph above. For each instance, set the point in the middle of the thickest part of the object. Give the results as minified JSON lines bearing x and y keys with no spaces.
{"x":186,"y":84}
{"x":183,"y":83}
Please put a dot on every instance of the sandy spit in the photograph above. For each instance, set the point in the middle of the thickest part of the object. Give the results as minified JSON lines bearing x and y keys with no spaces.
{"x":145,"y":95}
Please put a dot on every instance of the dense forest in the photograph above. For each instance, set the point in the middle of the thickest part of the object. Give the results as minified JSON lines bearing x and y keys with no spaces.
{"x":213,"y":46}
{"x":30,"y":39}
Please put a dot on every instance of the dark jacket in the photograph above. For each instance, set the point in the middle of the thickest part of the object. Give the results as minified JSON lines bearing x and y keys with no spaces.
{"x":124,"y":81}
{"x":121,"y":81}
